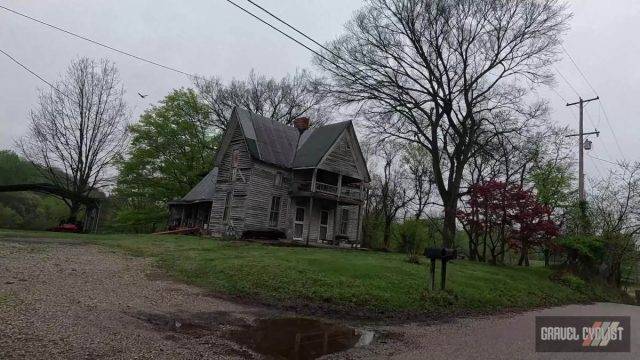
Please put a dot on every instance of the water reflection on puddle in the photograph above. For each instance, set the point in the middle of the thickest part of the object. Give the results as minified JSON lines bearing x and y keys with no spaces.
{"x":300,"y":338}
{"x":282,"y":338}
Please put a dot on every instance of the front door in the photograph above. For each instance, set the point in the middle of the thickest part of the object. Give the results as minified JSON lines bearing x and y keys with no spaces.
{"x":298,"y":223}
{"x":324,"y":224}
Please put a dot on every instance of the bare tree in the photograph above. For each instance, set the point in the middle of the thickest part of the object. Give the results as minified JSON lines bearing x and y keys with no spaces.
{"x":420,"y":175}
{"x":442,"y":74}
{"x":389,"y":189}
{"x":281,"y":100}
{"x":78,"y":130}
{"x":615,"y":209}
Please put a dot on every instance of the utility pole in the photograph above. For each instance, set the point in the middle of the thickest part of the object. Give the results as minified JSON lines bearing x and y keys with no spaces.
{"x":580,"y":136}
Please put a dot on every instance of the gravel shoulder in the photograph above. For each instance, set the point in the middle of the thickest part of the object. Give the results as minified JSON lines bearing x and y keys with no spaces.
{"x":75,"y":301}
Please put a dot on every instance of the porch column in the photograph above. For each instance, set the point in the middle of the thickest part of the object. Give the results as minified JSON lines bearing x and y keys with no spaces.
{"x":359,"y":225}
{"x":335,"y":222}
{"x":313,"y":180}
{"x":335,"y":211}
{"x":310,"y":215}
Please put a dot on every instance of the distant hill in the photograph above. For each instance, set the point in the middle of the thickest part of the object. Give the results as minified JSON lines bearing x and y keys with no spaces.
{"x":26,"y":210}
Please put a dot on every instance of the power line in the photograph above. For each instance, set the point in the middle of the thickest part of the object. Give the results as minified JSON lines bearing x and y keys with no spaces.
{"x":566,"y":81}
{"x":595,"y":165}
{"x":285,"y":34}
{"x":604,"y":146}
{"x":559,"y":95}
{"x":338,"y":56}
{"x":82,"y":37}
{"x":606,"y":117}
{"x":291,"y":27}
{"x":310,"y":39}
{"x":34,"y":73}
{"x":579,"y":70}
{"x":603,"y":160}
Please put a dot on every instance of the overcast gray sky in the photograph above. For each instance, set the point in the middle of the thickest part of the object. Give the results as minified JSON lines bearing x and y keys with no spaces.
{"x":212,"y":37}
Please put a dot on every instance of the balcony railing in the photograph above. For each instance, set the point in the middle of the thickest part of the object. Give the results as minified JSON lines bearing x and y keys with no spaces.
{"x":345,"y":192}
{"x":351,"y":192}
{"x":326,"y":188}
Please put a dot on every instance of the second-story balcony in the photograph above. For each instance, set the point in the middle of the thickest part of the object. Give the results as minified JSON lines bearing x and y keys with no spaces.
{"x":346,"y":194}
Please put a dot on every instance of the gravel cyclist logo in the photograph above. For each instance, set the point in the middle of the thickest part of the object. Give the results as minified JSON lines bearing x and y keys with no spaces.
{"x":583,"y":334}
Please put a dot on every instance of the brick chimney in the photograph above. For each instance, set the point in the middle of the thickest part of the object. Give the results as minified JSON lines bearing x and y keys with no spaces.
{"x":301,"y":123}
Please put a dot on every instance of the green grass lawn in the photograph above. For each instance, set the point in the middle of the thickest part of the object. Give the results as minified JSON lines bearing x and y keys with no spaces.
{"x":343,"y":281}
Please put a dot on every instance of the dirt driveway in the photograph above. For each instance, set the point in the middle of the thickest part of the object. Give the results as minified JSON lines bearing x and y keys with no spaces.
{"x":64,"y":300}
{"x":70,"y":301}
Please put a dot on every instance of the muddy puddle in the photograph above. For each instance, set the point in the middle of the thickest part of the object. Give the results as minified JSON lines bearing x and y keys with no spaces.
{"x":279,"y":338}
{"x":300,"y":338}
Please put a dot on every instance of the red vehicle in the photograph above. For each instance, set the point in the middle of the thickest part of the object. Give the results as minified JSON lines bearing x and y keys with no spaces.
{"x":71,"y":228}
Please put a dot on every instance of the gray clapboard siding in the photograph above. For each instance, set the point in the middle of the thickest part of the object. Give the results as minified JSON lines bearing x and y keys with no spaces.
{"x":262,"y":190}
{"x":340,"y":159}
{"x":225,"y":184}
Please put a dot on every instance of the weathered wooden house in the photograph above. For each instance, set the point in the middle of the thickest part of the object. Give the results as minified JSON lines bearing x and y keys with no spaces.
{"x":306,"y":182}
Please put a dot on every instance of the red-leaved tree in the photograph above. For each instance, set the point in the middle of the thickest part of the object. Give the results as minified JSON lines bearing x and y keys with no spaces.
{"x":531,"y":224}
{"x":498,"y":215}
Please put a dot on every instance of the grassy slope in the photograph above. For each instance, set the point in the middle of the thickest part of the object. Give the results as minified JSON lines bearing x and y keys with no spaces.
{"x":342,"y":280}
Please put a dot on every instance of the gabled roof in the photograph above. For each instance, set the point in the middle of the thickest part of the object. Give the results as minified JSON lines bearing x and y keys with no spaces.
{"x":281,"y":145}
{"x":315,"y":142}
{"x":203,"y":191}
{"x":268,"y":140}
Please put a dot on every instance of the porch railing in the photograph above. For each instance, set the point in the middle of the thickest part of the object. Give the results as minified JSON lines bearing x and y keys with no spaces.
{"x":351,"y":192}
{"x":326,"y":188}
{"x":346,"y":191}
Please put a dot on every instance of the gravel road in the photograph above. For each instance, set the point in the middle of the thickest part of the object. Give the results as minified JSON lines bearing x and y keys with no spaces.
{"x":63,"y":300}
{"x":69,"y":301}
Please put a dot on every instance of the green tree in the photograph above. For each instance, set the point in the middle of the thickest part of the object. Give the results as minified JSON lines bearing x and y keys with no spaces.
{"x":171,"y":149}
{"x":554,"y":188}
{"x":26,"y":210}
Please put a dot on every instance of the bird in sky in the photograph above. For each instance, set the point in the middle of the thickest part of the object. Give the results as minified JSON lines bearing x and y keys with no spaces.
{"x":143,"y":96}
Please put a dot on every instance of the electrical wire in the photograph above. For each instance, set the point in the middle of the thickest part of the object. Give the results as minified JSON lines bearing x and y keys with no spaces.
{"x":286,"y":35}
{"x":600,"y":102}
{"x":603,"y":160}
{"x":566,"y":81}
{"x":34,"y":73}
{"x":85,"y":38}
{"x":579,"y":70}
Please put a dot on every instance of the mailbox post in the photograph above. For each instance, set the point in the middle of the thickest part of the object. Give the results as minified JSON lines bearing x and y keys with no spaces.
{"x":445,"y":255}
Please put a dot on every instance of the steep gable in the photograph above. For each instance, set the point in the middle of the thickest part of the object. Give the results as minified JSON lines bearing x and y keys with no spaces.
{"x":234,"y":149}
{"x":344,"y":157}
{"x":316,"y":142}
{"x":268,"y":141}
{"x":280,"y":145}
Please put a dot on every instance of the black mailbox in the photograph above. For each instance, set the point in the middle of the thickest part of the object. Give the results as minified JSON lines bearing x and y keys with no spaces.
{"x":441,"y":253}
{"x":444,"y":255}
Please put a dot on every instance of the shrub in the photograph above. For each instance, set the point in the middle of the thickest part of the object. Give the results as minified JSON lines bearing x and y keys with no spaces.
{"x":573,"y":282}
{"x":413,"y":238}
{"x":584,"y":253}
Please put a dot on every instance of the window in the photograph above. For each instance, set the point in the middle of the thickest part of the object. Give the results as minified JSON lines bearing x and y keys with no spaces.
{"x":344,"y":221}
{"x":298,"y":223}
{"x":278,"y":180}
{"x":274,"y":214}
{"x":324,"y":224}
{"x":227,"y":208}
{"x":235,"y":159}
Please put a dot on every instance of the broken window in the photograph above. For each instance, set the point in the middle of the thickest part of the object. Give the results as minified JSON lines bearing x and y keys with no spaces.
{"x":274,"y":214}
